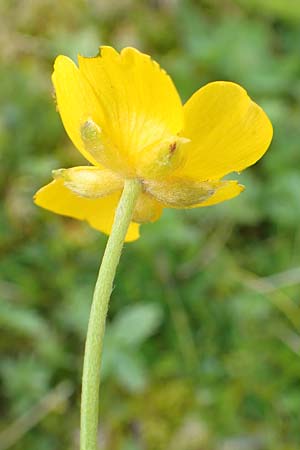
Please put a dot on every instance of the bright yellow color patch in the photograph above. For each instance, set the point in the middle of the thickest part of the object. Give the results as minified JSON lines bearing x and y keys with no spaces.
{"x":227,"y":131}
{"x":75,"y":100}
{"x":140,"y":103}
{"x":123,"y":113}
{"x":226,"y":190}
{"x":99,"y":213}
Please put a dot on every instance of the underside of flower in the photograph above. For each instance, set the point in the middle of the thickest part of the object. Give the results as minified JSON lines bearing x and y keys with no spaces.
{"x":89,"y":182}
{"x":162,"y":158}
{"x":147,"y":209}
{"x":102,"y":149}
{"x":123,"y":113}
{"x":180,"y":193}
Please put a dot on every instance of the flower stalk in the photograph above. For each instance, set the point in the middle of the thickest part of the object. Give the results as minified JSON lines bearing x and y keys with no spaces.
{"x":96,"y":326}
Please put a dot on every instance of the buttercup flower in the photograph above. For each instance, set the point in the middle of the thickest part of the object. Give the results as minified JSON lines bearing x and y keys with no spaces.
{"x":123,"y":113}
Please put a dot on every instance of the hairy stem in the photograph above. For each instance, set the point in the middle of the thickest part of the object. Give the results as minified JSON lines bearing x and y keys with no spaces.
{"x":96,"y":327}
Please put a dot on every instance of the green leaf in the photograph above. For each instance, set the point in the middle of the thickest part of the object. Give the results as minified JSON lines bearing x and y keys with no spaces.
{"x":135,"y":324}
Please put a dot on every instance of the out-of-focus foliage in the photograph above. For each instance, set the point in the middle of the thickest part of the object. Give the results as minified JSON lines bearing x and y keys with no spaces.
{"x":203,"y":342}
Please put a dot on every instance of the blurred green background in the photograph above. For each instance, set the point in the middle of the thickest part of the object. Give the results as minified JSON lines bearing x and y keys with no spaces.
{"x":203,"y":344}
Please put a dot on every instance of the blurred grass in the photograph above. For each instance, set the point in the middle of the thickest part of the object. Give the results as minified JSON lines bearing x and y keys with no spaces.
{"x":214,"y":364}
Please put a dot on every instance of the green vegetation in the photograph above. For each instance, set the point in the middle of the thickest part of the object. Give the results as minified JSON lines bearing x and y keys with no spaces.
{"x":203,"y":343}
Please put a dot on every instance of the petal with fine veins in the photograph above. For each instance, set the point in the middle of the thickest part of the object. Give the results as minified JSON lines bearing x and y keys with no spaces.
{"x":228,"y":131}
{"x":140,"y":102}
{"x":76,"y":101}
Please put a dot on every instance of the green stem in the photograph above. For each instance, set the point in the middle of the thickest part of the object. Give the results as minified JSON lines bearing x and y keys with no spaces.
{"x":96,"y":327}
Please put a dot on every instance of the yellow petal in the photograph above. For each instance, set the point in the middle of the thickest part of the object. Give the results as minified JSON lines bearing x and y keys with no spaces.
{"x":147,"y":209}
{"x":99,"y":213}
{"x":228,"y":131}
{"x":225,"y":190}
{"x":140,"y":103}
{"x":89,"y":182}
{"x":76,"y":101}
{"x":187,"y":193}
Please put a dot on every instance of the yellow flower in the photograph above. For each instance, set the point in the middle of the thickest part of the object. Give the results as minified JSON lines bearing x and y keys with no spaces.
{"x":123,"y":113}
